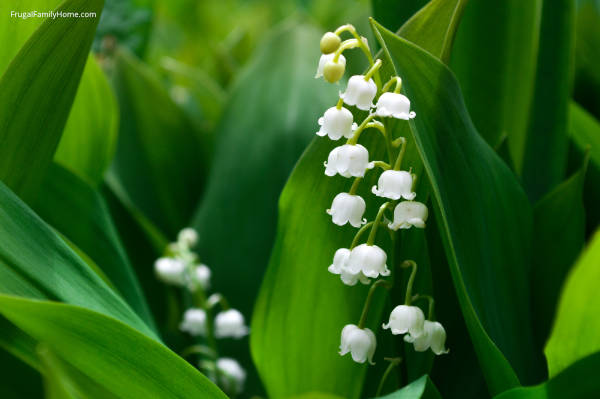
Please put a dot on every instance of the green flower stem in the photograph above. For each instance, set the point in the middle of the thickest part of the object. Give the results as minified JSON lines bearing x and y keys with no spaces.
{"x":382,"y":165}
{"x":394,"y":79}
{"x":393,"y":363}
{"x":388,"y":140}
{"x":398,"y":163}
{"x":367,"y":306}
{"x":405,"y":265}
{"x":200,"y":301}
{"x":354,"y":139}
{"x":359,"y":233}
{"x":373,"y":233}
{"x":340,"y":103}
{"x":414,"y":179}
{"x":363,"y":46}
{"x":355,"y":185}
{"x":372,"y":70}
{"x":431,"y":304}
{"x":346,"y":45}
{"x":198,"y":350}
{"x":215,"y":299}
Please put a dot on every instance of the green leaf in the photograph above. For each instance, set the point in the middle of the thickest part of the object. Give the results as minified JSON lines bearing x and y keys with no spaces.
{"x":17,"y":379}
{"x":577,"y":314}
{"x":78,"y":211}
{"x":159,"y":165}
{"x":422,"y":388}
{"x":88,"y":141}
{"x":393,"y":14}
{"x":110,"y":353}
{"x":37,"y":91}
{"x":579,"y":381}
{"x":39,"y":264}
{"x":471,"y":184}
{"x":546,"y":146}
{"x":586,"y":90}
{"x":559,"y":217}
{"x":494,"y":58}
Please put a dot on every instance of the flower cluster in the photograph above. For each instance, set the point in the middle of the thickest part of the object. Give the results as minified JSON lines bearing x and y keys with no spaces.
{"x":367,"y":261}
{"x":180,"y":267}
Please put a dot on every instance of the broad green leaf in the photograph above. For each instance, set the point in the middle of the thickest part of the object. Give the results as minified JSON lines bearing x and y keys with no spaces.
{"x":37,"y":91}
{"x":159,"y":165}
{"x":422,"y":388}
{"x":301,"y":308}
{"x":78,"y":211}
{"x":576,"y":330}
{"x":88,"y":141}
{"x":586,"y":90}
{"x":41,"y":265}
{"x":470,"y":184}
{"x":579,"y":381}
{"x":546,"y":146}
{"x":559,"y":217}
{"x":494,"y":58}
{"x":393,"y":14}
{"x":110,"y":353}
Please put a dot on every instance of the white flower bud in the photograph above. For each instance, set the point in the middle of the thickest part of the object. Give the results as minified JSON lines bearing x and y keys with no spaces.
{"x":194,"y":322}
{"x":368,"y":259}
{"x":347,"y":208}
{"x":394,"y":184}
{"x":348,"y":160}
{"x":187,"y":237}
{"x":395,"y":105}
{"x":408,"y":214}
{"x":360,"y":92}
{"x":233,"y":375}
{"x":200,"y":277}
{"x":170,"y":271}
{"x":330,"y":42}
{"x":325,"y":58}
{"x":230,"y":323}
{"x":434,"y":337}
{"x":339,"y":267}
{"x":359,"y":342}
{"x":337,"y":123}
{"x":406,"y":319}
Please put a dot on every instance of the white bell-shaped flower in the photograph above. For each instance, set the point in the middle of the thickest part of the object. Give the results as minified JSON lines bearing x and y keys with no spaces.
{"x":348,"y":160}
{"x":368,"y":259}
{"x":325,"y":58}
{"x":395,"y":105}
{"x":359,"y":342}
{"x":200,"y":277}
{"x":360,"y":92}
{"x":338,"y":267}
{"x":348,"y":208}
{"x":395,"y":184}
{"x":337,"y":123}
{"x":187,"y":237}
{"x":408,"y":214}
{"x":406,"y":319}
{"x":232,"y":377}
{"x":434,"y":337}
{"x":230,"y":323}
{"x":194,"y":322}
{"x":170,"y":270}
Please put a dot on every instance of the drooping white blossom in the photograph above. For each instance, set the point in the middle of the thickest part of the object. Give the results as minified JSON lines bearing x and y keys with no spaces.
{"x":395,"y":105}
{"x":395,"y":184}
{"x":170,"y":270}
{"x":187,"y":237}
{"x":230,"y":324}
{"x":369,"y":260}
{"x":325,"y":58}
{"x":194,"y":322}
{"x":360,"y":92}
{"x":340,"y":259}
{"x":347,"y":208}
{"x":336,"y":123}
{"x":200,"y":277}
{"x":348,"y":160}
{"x":434,"y":337}
{"x":406,"y":319}
{"x":359,"y":342}
{"x":232,"y":377}
{"x":408,"y":214}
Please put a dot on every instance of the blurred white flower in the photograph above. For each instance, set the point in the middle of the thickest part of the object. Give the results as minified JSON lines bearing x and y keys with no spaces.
{"x":325,"y":58}
{"x":347,"y":208}
{"x":394,"y":184}
{"x":359,"y":342}
{"x":360,"y":92}
{"x":336,"y":123}
{"x":230,"y":323}
{"x":348,"y":160}
{"x":395,"y":105}
{"x":170,"y":270}
{"x":434,"y":337}
{"x":408,"y":214}
{"x":187,"y":237}
{"x":369,"y":260}
{"x":406,"y":319}
{"x":200,"y":277}
{"x":194,"y":322}
{"x":339,"y":267}
{"x":232,"y":377}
